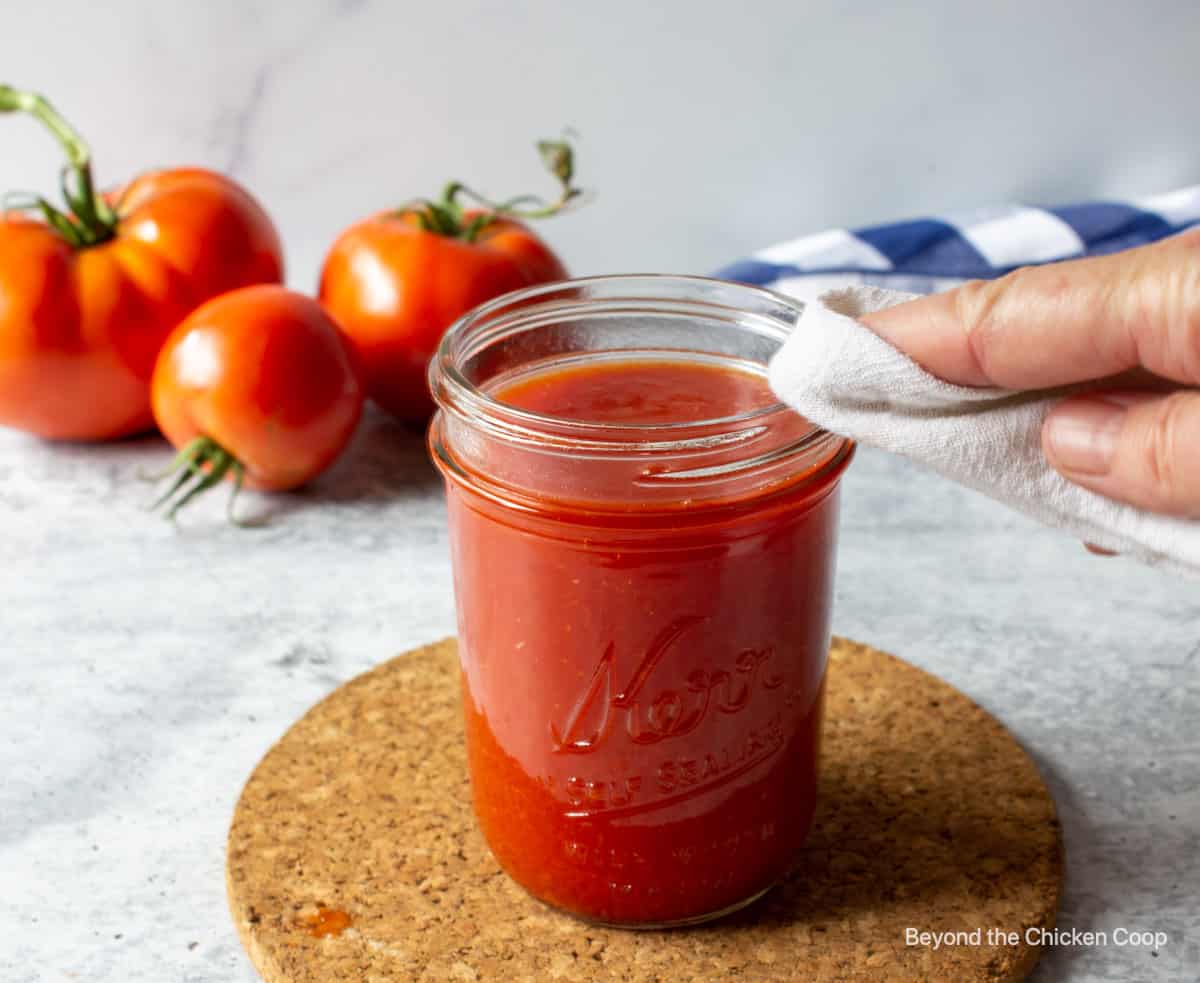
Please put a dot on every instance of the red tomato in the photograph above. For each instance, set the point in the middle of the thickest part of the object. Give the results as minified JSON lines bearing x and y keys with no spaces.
{"x":258,"y":382}
{"x":395,"y":288}
{"x":397,"y":280}
{"x":87,"y":299}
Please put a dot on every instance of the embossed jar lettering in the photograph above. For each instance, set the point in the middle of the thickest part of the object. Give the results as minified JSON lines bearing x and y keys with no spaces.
{"x":670,"y":712}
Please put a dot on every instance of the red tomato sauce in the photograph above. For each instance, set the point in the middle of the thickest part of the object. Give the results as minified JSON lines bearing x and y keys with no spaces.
{"x":643,"y":689}
{"x":645,"y":392}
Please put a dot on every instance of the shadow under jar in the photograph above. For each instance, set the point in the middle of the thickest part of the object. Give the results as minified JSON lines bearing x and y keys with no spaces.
{"x":643,"y":547}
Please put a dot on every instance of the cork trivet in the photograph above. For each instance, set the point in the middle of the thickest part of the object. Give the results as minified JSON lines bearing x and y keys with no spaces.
{"x":353,"y":854}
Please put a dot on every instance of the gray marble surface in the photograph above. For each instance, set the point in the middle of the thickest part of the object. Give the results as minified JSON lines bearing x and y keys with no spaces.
{"x":146,"y":667}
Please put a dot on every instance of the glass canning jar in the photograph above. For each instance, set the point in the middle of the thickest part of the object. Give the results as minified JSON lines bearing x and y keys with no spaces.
{"x":643,"y":601}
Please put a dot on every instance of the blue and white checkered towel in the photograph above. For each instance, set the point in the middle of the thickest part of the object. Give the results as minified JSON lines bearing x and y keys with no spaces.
{"x":838,"y":373}
{"x":931,"y":254}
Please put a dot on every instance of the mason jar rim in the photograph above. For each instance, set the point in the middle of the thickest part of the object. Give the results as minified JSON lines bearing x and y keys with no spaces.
{"x":456,"y":394}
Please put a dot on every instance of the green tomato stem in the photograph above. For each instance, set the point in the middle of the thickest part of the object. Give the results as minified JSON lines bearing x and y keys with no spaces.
{"x":96,"y":219}
{"x":201,"y":464}
{"x":445,"y":216}
{"x":20,"y":201}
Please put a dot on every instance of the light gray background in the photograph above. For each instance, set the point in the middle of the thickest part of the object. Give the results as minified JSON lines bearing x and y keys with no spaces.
{"x":708,"y":129}
{"x":144,"y":669}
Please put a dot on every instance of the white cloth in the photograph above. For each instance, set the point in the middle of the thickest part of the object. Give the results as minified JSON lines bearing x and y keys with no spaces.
{"x":842,"y":376}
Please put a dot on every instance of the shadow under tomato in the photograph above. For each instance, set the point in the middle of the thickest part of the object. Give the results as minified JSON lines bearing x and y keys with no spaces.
{"x":386,"y":461}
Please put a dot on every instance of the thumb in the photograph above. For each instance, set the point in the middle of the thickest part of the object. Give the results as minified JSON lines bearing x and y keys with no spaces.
{"x":1139,"y":448}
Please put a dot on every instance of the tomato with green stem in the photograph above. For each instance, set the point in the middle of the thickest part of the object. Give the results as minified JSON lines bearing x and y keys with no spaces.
{"x":88,"y":294}
{"x":397,"y":280}
{"x":258,"y":385}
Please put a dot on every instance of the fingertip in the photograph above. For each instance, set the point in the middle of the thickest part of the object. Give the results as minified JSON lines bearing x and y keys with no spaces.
{"x":1080,"y":434}
{"x":1136,"y":448}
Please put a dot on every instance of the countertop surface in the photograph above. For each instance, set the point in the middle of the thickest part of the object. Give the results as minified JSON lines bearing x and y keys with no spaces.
{"x":146,"y":667}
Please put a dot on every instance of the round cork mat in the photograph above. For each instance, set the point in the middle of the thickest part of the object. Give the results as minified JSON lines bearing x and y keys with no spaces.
{"x":354,"y":856}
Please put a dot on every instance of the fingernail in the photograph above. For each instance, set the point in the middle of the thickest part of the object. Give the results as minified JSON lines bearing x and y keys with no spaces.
{"x":1081,"y":435}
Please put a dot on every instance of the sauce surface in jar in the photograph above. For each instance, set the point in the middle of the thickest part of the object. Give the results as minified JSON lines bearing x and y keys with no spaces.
{"x":640,"y":392}
{"x":643,"y":687}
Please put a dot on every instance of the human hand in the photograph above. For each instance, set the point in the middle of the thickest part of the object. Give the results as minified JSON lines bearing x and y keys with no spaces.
{"x":1134,"y":314}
